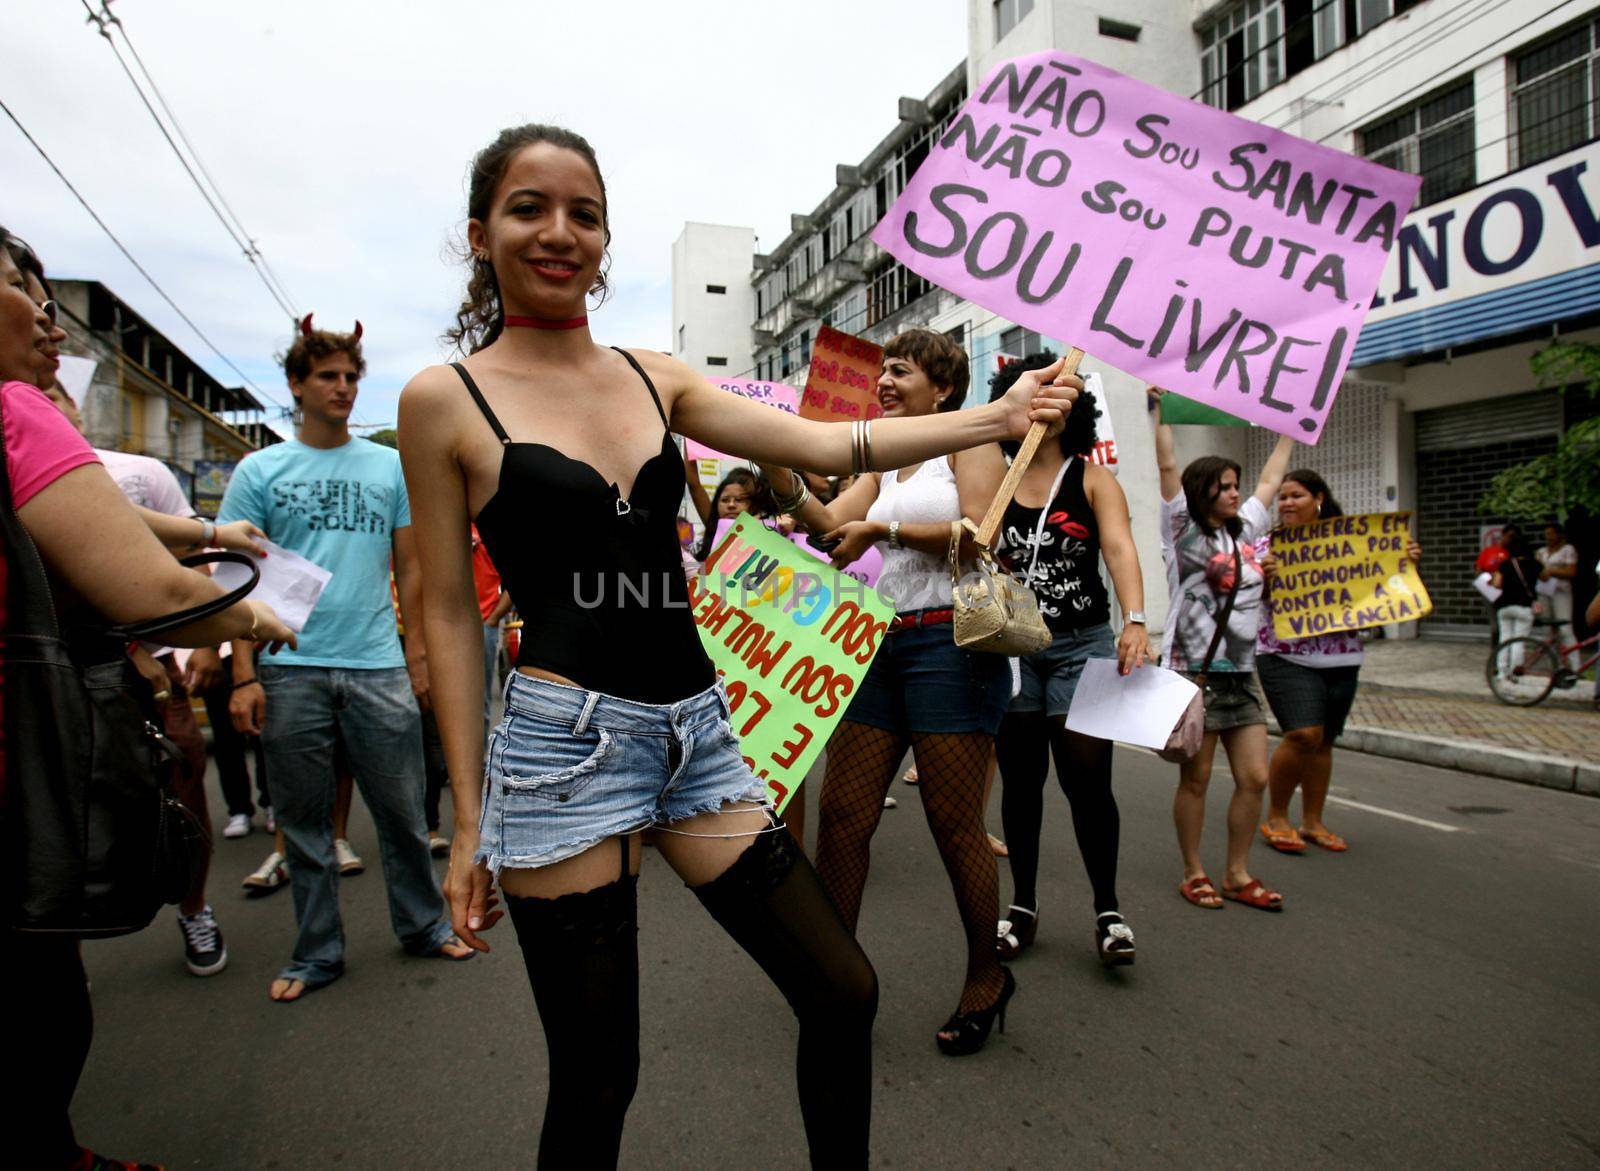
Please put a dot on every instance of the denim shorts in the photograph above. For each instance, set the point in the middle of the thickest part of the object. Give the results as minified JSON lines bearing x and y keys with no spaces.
{"x":1308,"y":697}
{"x":1231,"y":700}
{"x":1050,"y":676}
{"x":923,"y":682}
{"x":568,"y":768}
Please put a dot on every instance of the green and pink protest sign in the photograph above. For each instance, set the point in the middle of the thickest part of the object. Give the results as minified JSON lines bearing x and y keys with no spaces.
{"x":791,"y":639}
{"x":1203,"y":252}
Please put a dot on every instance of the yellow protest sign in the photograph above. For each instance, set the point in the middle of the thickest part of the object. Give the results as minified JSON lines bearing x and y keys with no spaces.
{"x":791,"y":639}
{"x":1345,"y":573}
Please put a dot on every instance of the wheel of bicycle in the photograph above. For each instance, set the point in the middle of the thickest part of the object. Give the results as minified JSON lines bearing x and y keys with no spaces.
{"x":1533,"y":667}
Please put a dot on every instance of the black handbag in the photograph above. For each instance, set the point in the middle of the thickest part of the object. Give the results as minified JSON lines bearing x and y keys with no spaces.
{"x":95,"y":842}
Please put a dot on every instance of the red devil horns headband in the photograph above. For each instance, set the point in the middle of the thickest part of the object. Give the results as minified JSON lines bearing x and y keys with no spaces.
{"x":305,"y":327}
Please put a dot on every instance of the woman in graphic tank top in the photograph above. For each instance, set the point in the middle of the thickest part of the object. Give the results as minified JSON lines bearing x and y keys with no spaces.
{"x":1065,"y":513}
{"x":560,"y":449}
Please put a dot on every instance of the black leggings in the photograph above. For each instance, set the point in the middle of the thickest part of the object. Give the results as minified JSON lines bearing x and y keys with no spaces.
{"x":49,"y":1030}
{"x":1083,"y":767}
{"x":582,"y":957}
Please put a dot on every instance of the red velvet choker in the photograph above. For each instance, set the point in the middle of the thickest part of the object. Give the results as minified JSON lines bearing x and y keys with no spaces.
{"x":547,"y":323}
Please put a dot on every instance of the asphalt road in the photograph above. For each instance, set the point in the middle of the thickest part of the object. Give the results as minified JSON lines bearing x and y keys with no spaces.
{"x":1430,"y":998}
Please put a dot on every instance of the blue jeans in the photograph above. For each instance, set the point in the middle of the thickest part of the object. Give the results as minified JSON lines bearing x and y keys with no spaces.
{"x":375,"y":715}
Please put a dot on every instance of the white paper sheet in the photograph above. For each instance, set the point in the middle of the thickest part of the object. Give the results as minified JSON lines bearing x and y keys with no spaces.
{"x":1141,"y":708}
{"x":290,"y":584}
{"x":1481,"y":584}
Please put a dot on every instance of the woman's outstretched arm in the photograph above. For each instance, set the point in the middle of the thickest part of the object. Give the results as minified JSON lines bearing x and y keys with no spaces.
{"x":736,"y":425}
{"x":1166,"y":452}
{"x":453,"y":631}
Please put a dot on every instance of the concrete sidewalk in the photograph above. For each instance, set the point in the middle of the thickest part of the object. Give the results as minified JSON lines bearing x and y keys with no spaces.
{"x":1427,"y":701}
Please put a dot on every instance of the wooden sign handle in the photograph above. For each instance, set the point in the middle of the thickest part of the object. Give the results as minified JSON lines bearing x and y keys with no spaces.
{"x":1019,"y":466}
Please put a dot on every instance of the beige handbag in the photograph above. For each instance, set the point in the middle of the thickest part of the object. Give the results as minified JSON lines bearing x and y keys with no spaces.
{"x":994,"y":611}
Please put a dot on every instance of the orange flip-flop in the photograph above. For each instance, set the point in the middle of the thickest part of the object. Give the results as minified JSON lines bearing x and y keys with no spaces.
{"x":1327,"y":839}
{"x":1198,"y":888}
{"x":1285,"y":841}
{"x":1253,"y":894}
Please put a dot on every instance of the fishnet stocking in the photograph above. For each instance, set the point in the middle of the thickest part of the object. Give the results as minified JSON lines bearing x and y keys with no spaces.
{"x":953,"y":767}
{"x":861,"y":765}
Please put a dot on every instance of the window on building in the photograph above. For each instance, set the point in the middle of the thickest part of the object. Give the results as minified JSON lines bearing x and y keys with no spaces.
{"x":1020,"y":341}
{"x":716,"y":361}
{"x":805,"y":347}
{"x":1118,"y":30}
{"x":1008,"y":14}
{"x":1434,"y":138}
{"x":716,"y":288}
{"x":1256,"y":44}
{"x":1554,"y":94}
{"x":958,"y":335}
{"x":760,"y":306}
{"x":891,"y":290}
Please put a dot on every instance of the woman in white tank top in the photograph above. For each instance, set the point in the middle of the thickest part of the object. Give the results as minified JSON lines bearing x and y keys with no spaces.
{"x":921,"y":690}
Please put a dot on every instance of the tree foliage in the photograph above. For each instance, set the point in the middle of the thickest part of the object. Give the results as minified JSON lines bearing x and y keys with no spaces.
{"x":1567,"y":478}
{"x":389,"y":437}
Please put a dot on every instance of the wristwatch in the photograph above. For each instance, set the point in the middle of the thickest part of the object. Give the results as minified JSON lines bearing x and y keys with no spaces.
{"x":1134,"y":616}
{"x":894,"y":535}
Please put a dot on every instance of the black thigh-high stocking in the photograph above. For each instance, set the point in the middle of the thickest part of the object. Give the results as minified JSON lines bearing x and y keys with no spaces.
{"x":773,"y":905}
{"x":1083,"y":766}
{"x":582,"y":954}
{"x":1023,"y":749}
{"x":953,"y":767}
{"x":861,"y":767}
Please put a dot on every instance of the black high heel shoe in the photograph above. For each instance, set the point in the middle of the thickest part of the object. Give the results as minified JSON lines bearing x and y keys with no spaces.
{"x":971,"y":1029}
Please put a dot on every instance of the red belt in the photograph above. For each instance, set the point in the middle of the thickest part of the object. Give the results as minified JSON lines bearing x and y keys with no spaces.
{"x":921,"y":618}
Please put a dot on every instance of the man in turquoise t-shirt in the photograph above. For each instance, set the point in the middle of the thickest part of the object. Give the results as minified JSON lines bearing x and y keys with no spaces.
{"x":340,"y":502}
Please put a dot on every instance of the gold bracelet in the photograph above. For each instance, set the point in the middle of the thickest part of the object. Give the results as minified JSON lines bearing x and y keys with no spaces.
{"x":866,"y":444}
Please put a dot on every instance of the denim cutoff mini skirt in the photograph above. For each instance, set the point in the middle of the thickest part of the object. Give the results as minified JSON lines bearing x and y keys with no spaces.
{"x":568,"y":768}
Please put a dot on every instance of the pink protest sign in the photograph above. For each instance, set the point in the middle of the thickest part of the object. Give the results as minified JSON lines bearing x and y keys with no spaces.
{"x":1201,"y":251}
{"x":774,"y":394}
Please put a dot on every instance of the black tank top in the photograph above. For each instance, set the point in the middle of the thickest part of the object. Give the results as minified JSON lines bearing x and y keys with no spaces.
{"x":597,"y":577}
{"x":1067,"y":575}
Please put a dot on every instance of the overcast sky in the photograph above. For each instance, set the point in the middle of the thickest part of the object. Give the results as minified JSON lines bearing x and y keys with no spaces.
{"x":341,"y":133}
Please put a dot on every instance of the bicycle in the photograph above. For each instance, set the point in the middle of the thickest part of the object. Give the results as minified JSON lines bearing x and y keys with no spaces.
{"x":1538,"y":667}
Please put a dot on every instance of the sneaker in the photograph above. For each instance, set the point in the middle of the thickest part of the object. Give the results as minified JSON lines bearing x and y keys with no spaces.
{"x":204,"y":953}
{"x":349,"y":861}
{"x":272,"y":822}
{"x":438,"y":844}
{"x":238,"y":826}
{"x":271,"y":875}
{"x":1114,"y":940}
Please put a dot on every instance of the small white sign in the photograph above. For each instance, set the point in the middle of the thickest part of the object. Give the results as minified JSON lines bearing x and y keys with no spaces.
{"x":1140,"y":708}
{"x":290,"y":584}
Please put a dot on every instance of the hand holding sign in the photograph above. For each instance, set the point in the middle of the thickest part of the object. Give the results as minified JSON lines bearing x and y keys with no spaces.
{"x":1226,"y":260}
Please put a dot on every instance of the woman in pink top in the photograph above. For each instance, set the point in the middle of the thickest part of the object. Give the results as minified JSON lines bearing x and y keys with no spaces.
{"x":1310,"y":684}
{"x":97,"y":547}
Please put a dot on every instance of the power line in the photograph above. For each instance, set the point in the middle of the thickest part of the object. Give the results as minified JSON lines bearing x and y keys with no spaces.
{"x":103,"y":21}
{"x":142,"y":271}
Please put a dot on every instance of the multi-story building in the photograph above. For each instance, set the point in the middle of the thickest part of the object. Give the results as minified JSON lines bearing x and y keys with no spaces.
{"x":147,"y":396}
{"x":712,"y":302}
{"x":1496,"y":104}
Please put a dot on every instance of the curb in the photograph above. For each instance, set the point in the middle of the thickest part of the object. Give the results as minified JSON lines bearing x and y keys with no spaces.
{"x":1510,"y":764}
